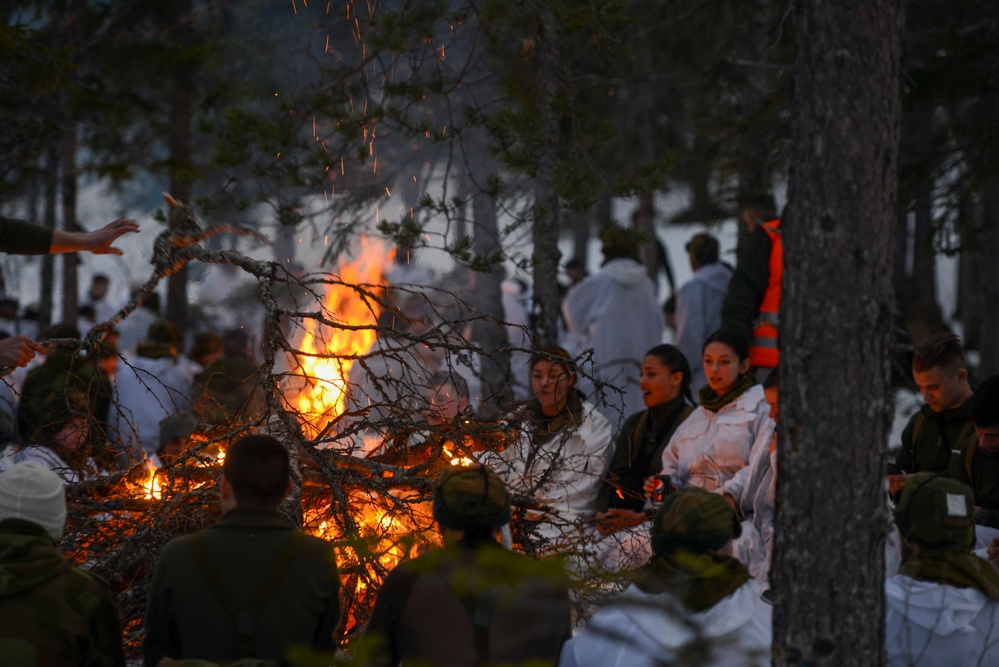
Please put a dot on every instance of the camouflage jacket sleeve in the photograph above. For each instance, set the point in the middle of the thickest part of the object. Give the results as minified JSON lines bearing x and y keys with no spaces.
{"x":21,"y":238}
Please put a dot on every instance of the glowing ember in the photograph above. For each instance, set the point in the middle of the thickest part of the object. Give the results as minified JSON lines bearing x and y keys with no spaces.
{"x":323,"y":362}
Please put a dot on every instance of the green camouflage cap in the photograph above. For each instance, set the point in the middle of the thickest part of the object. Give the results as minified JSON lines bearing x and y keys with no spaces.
{"x":936,"y":511}
{"x":694,"y":519}
{"x":474,"y":495}
{"x":162,"y":331}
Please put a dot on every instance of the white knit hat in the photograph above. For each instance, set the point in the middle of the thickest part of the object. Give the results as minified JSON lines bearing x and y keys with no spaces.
{"x":32,"y":492}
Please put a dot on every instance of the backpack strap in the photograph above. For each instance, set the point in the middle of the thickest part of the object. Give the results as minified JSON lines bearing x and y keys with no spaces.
{"x":969,"y":445}
{"x":245,"y":619}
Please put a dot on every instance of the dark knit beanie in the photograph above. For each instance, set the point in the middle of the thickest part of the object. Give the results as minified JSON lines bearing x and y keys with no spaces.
{"x":985,"y":403}
{"x":696,"y":520}
{"x":936,"y":511}
{"x":471,"y":496}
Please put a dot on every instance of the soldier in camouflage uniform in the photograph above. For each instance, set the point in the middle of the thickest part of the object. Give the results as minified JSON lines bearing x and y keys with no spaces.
{"x":51,"y":613}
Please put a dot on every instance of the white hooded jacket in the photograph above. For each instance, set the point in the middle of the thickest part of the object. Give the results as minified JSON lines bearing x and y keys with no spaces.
{"x":615,"y":312}
{"x":564,"y":473}
{"x":698,"y":315}
{"x":647,"y":630}
{"x":930,"y":624}
{"x":709,"y":448}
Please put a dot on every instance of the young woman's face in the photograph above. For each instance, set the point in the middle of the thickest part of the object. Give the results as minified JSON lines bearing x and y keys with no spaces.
{"x":722,"y":367}
{"x":551,"y":384}
{"x":658,"y":383}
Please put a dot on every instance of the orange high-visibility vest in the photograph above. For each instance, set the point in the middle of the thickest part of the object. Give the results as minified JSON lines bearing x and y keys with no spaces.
{"x":763,"y":349}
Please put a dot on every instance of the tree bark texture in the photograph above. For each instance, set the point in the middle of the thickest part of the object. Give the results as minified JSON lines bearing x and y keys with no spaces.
{"x":988,"y":282}
{"x":545,"y":229}
{"x":836,"y":335}
{"x":181,"y":104}
{"x":70,"y":260}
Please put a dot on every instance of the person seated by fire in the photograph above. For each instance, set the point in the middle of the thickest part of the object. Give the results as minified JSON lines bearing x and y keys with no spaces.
{"x":473,"y":602}
{"x":65,"y":370}
{"x":691,"y":599}
{"x":560,"y":454}
{"x":60,"y":442}
{"x":229,"y":388}
{"x":175,"y":433}
{"x":149,"y":386}
{"x":441,"y":437}
{"x":51,"y":613}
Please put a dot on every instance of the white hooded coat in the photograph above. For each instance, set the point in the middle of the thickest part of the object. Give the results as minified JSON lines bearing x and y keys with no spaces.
{"x":615,"y":312}
{"x":564,"y":473}
{"x":647,"y":630}
{"x":146,"y":391}
{"x":930,"y":624}
{"x":709,"y":448}
{"x":698,"y":315}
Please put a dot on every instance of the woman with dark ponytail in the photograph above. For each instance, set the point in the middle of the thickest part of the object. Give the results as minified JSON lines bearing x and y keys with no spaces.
{"x":715,"y":441}
{"x":665,"y":384}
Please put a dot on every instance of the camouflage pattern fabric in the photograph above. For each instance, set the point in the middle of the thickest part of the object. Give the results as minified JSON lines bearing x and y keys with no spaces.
{"x":694,"y":519}
{"x":51,"y":613}
{"x":229,"y":389}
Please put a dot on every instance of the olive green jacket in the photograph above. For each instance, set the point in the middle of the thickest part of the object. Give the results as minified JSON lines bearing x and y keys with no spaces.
{"x":930,"y":439}
{"x":185,"y":619}
{"x":51,"y":613}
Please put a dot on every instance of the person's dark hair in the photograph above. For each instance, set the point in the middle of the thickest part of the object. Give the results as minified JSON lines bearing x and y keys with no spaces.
{"x":205,"y":343}
{"x":759,"y":206}
{"x":257,"y":468}
{"x":675,"y":360}
{"x":733,"y":339}
{"x":985,"y":403}
{"x":703,"y":250}
{"x":773,"y":380}
{"x":942,"y":350}
{"x":444,"y":378}
{"x":669,"y":307}
{"x":87,"y":312}
{"x":152,"y":302}
{"x":235,"y":343}
{"x":575,"y":263}
{"x":555,"y":355}
{"x":100,"y":278}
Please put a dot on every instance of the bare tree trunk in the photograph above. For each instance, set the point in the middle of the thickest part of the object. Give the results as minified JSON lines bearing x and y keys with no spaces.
{"x":836,"y":335}
{"x":180,"y":160}
{"x":49,"y":216}
{"x":988,"y":281}
{"x":70,"y":260}
{"x":546,"y":206}
{"x":490,"y":334}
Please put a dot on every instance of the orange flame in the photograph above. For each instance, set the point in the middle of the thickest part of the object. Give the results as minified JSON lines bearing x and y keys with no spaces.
{"x":324,"y":348}
{"x":151,"y":486}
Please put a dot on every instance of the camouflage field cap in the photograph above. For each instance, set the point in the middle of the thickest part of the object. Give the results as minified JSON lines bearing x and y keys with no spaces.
{"x":162,"y":331}
{"x":694,"y":519}
{"x":474,"y":495}
{"x":936,"y":511}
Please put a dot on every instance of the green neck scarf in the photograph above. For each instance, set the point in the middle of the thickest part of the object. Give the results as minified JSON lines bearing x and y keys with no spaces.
{"x":698,"y":580}
{"x":711,"y":401}
{"x":543,"y":428}
{"x":954,"y":566}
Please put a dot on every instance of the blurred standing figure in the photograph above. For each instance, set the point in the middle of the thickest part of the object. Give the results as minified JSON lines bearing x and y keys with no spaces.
{"x":699,"y":302}
{"x":229,"y":388}
{"x":614,"y":312}
{"x":51,"y":613}
{"x":149,"y":386}
{"x":752,"y":304}
{"x":97,"y":298}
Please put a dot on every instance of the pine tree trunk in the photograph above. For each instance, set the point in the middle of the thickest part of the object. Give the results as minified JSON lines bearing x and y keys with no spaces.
{"x":545,"y":229}
{"x":50,"y":189}
{"x":180,"y":180}
{"x":70,"y":260}
{"x":988,"y":281}
{"x":836,"y":335}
